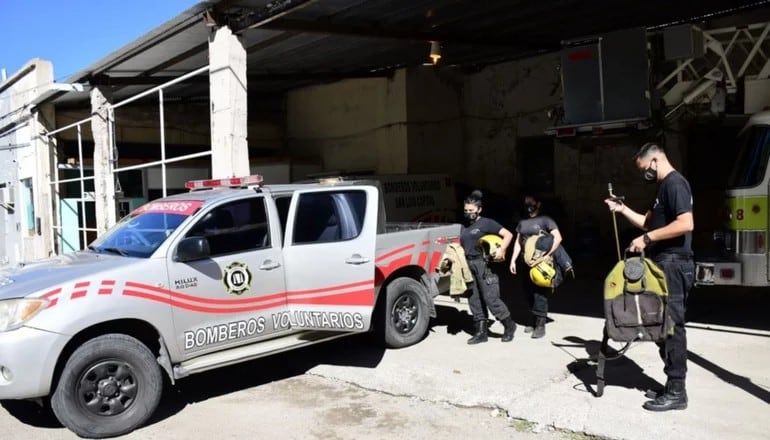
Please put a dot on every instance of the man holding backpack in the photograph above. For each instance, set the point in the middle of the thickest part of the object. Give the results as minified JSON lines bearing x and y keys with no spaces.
{"x":668,"y":242}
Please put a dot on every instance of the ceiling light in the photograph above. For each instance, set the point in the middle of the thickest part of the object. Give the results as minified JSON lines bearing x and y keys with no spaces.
{"x":435,"y":51}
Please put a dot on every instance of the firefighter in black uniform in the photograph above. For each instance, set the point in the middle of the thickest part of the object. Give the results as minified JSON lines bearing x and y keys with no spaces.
{"x":668,"y":241}
{"x":537,"y":296}
{"x":485,"y":289}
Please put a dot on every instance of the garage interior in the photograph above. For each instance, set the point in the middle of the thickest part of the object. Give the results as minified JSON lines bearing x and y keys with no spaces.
{"x":350,"y":87}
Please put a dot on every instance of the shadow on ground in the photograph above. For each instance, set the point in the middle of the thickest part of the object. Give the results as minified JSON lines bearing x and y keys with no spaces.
{"x":619,"y":370}
{"x":359,"y":351}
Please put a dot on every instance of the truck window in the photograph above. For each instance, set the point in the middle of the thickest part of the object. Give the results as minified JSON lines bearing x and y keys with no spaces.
{"x":238,"y":226}
{"x":282,"y":204}
{"x":329,"y":216}
{"x":753,"y":154}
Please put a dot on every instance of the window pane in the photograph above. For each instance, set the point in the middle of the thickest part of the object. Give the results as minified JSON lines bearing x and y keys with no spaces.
{"x":750,"y":166}
{"x":235,"y":227}
{"x":29,"y":204}
{"x":329,"y":216}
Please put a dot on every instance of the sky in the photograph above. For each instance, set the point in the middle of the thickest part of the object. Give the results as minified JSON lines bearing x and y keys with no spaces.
{"x":73,"y":34}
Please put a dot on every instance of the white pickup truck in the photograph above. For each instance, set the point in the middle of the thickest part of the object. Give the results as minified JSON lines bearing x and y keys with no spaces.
{"x":231,"y":271}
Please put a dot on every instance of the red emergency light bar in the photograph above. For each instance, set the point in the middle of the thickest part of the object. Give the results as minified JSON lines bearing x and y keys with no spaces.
{"x":230,"y":182}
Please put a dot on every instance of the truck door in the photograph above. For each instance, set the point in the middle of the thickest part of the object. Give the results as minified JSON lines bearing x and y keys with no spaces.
{"x":228,"y":299}
{"x":329,"y":254}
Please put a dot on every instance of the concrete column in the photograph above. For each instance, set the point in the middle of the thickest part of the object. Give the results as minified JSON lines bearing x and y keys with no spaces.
{"x":46,"y":161}
{"x":104,"y":180}
{"x":227,"y":78}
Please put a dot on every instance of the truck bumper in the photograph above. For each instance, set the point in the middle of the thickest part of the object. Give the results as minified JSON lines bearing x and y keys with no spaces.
{"x":27,"y":361}
{"x":718,"y":274}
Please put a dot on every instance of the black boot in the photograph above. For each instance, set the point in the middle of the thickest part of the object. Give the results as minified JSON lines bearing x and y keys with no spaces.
{"x":654,"y":392}
{"x":539,"y":330}
{"x":675,"y":397}
{"x":510,"y":329}
{"x":481,"y":333}
{"x":531,"y":326}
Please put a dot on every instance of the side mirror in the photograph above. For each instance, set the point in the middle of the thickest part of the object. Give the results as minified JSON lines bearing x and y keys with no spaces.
{"x":192,"y":248}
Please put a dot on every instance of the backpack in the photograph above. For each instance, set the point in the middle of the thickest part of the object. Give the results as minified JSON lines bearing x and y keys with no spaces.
{"x":635,"y":300}
{"x":535,"y":249}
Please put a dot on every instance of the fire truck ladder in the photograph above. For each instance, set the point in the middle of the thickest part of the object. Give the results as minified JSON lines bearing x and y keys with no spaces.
{"x":731,"y":54}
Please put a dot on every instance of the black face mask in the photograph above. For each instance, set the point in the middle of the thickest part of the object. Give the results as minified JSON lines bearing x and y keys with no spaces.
{"x":650,"y":174}
{"x":471,"y":216}
{"x":530,"y":208}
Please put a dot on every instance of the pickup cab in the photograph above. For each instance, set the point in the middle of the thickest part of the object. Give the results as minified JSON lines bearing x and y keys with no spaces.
{"x":231,"y":271}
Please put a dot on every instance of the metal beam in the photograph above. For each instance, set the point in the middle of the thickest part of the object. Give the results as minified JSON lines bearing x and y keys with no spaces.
{"x":121,"y":81}
{"x":258,"y":17}
{"x":287,"y":24}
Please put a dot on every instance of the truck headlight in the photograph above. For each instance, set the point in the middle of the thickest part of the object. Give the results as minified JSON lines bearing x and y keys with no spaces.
{"x":15,"y":312}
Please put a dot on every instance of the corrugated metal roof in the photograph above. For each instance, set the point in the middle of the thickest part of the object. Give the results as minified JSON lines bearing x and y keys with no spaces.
{"x":323,"y":40}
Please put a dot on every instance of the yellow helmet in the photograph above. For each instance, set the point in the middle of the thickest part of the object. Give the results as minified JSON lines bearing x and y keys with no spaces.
{"x":543,"y":273}
{"x":488,"y":244}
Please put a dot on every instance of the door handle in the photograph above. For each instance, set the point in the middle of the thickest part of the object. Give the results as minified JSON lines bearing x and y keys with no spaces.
{"x":269,"y":265}
{"x":356,"y":259}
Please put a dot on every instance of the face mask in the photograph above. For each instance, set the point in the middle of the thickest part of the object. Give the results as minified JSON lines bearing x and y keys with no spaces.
{"x":471,"y":216}
{"x":530,"y":208}
{"x":650,"y":174}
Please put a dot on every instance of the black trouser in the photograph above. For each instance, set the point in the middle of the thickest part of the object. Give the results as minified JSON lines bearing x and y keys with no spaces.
{"x":680,"y":276}
{"x":537,"y":297}
{"x":485,"y":292}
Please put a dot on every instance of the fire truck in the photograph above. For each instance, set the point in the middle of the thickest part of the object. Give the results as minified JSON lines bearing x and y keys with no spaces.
{"x":231,"y":271}
{"x":743,"y":260}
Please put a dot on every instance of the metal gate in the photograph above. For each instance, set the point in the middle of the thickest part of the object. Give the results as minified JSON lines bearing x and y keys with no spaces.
{"x":63,"y":239}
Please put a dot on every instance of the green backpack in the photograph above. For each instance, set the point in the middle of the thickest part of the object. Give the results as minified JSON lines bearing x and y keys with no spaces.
{"x":635,"y":298}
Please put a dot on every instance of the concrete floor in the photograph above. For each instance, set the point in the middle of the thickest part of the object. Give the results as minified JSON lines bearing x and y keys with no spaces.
{"x":443,"y":388}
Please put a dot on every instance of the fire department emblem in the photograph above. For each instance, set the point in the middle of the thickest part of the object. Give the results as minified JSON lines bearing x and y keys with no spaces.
{"x":237,"y":278}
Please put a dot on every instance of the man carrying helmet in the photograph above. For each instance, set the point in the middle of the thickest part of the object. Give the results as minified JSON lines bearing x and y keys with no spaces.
{"x":485,"y":289}
{"x":536,"y":284}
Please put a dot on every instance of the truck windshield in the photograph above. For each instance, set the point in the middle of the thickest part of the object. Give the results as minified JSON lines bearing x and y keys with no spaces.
{"x":753,"y":154}
{"x":141,"y":232}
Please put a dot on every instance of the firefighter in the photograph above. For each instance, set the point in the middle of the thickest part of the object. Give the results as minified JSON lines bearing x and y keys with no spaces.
{"x":485,"y":289}
{"x":668,"y":224}
{"x":535,"y":289}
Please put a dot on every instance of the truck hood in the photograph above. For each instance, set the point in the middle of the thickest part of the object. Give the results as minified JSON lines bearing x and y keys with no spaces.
{"x":32,"y":277}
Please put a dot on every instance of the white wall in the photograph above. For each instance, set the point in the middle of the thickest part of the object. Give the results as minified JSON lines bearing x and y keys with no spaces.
{"x":351,"y":125}
{"x":29,"y":158}
{"x":500,"y":104}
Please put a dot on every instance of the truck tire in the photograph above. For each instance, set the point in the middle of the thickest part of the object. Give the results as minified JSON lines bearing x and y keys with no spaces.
{"x":109,"y":386}
{"x":403,"y":314}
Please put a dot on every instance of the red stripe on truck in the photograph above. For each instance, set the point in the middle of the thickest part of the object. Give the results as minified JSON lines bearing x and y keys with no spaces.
{"x":394,"y":252}
{"x":394,"y":265}
{"x":435,"y":260}
{"x":200,"y":308}
{"x":423,"y":258}
{"x":364,"y":297}
{"x":51,"y":293}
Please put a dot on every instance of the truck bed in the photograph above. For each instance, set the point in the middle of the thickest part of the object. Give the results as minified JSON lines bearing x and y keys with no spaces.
{"x":411,"y":226}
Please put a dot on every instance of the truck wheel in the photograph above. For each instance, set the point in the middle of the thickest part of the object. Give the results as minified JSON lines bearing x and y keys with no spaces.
{"x":404,"y":313}
{"x":109,"y":386}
